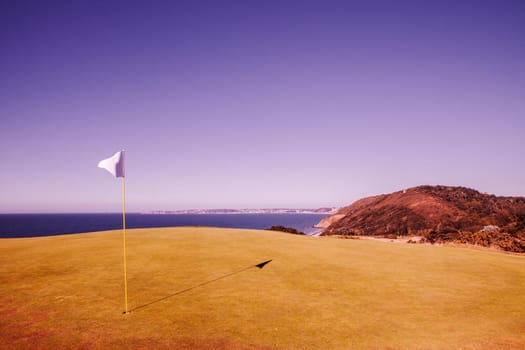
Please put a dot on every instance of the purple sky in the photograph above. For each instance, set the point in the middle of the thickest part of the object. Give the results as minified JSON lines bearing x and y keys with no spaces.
{"x":257,"y":103}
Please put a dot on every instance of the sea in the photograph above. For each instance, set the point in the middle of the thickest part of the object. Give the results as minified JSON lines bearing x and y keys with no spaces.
{"x":34,"y":225}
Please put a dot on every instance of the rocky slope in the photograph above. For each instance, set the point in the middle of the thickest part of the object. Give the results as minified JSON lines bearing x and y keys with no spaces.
{"x":438,"y":213}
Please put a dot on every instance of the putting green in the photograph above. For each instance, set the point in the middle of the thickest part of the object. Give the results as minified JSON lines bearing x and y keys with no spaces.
{"x":187,"y":291}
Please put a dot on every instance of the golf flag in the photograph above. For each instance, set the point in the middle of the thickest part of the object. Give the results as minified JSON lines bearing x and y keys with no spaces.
{"x":114,"y":164}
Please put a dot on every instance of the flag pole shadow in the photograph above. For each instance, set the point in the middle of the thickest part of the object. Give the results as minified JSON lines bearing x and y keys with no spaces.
{"x":259,"y":266}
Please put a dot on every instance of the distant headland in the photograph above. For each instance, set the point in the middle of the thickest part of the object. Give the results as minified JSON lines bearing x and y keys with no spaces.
{"x":326,"y":211}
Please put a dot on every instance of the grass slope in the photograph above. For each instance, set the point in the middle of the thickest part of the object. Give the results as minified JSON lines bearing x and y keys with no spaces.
{"x":317,"y":293}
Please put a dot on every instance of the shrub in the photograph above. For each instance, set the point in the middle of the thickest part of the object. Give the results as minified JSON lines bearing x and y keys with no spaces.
{"x":285,"y":229}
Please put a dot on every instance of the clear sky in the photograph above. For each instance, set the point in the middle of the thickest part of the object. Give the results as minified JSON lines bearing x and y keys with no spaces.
{"x":252,"y":104}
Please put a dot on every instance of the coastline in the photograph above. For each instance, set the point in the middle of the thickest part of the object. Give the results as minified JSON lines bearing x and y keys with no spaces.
{"x":238,"y":211}
{"x":30,"y":225}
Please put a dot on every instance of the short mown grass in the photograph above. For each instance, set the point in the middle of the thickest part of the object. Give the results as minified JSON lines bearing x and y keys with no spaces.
{"x":317,"y":293}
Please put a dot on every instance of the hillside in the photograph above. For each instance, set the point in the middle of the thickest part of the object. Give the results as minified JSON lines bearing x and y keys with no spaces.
{"x":197,"y":288}
{"x":439,"y":214}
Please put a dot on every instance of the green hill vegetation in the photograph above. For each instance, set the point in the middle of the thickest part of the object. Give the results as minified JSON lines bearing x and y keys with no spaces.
{"x":194,"y":288}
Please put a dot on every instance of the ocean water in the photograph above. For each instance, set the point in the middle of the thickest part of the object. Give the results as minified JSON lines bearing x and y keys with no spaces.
{"x":34,"y":225}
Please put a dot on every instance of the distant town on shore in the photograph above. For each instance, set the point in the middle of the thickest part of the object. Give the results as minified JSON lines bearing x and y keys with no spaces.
{"x":327,"y":211}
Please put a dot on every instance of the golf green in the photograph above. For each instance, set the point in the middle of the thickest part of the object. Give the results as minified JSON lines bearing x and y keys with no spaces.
{"x":199,"y":288}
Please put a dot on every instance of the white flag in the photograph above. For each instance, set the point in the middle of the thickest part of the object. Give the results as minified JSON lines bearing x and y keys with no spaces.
{"x":114,"y":164}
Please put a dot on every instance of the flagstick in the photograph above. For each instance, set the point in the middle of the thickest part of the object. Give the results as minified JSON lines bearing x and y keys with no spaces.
{"x":124,"y":243}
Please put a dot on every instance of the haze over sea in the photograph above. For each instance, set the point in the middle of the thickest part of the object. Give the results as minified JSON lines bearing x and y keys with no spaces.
{"x":34,"y":225}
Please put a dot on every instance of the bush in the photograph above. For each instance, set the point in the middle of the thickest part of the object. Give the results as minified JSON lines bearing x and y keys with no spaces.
{"x":501,"y":240}
{"x":285,"y":229}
